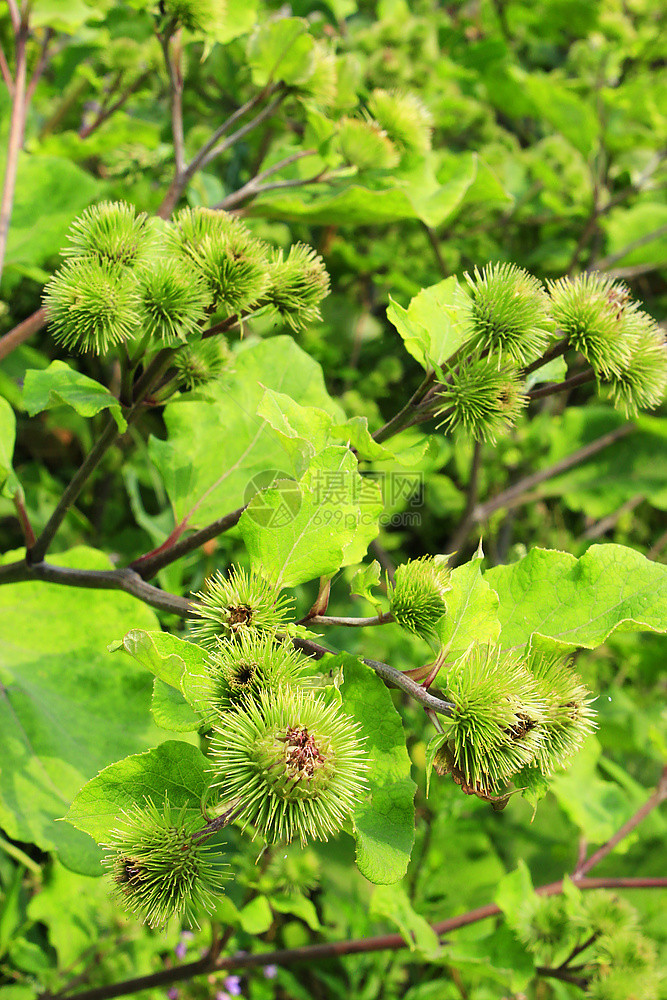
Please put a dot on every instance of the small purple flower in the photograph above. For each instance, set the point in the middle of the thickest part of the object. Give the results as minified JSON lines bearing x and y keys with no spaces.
{"x":181,"y":949}
{"x":233,"y":985}
{"x":172,"y":993}
{"x":271,"y":971}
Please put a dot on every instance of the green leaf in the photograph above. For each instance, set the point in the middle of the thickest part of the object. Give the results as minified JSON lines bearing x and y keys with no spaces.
{"x":67,"y":708}
{"x":256,"y":916}
{"x":564,"y":110}
{"x":364,"y":581}
{"x":165,"y":655}
{"x":174,"y":769}
{"x":391,"y":902}
{"x":63,"y":17}
{"x":9,"y":484}
{"x":385,"y":821}
{"x":59,"y":384}
{"x":299,"y":906}
{"x":171,"y":711}
{"x":514,"y":889}
{"x":472,"y":611}
{"x":281,"y":50}
{"x":296,"y":532}
{"x":579,"y":602}
{"x":553,"y":371}
{"x":433,"y":326}
{"x":628,"y":226}
{"x":343,"y":204}
{"x":72,"y":927}
{"x":219,"y":452}
{"x":62,"y":190}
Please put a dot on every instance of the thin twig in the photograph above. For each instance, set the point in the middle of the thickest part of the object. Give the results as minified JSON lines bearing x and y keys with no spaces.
{"x":22,"y":332}
{"x":198,"y":158}
{"x":6,"y":72}
{"x":40,"y":66}
{"x":108,"y":579}
{"x":172,"y":58}
{"x":329,"y":949}
{"x":240,"y":133}
{"x":400,"y":421}
{"x":24,"y":521}
{"x":382,"y":619}
{"x":16,"y":131}
{"x":658,"y":796}
{"x":437,"y":252}
{"x":514,"y":495}
{"x":641,"y":241}
{"x":602,"y":526}
{"x":559,"y":348}
{"x":152,"y":562}
{"x":109,"y":109}
{"x":14,"y":15}
{"x":109,"y":435}
{"x":569,"y":383}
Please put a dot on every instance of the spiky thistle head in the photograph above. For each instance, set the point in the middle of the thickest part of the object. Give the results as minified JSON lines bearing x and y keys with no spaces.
{"x":173,"y":300}
{"x":92,"y":305}
{"x":295,"y":763}
{"x":496,"y":723}
{"x":252,"y":662}
{"x":604,"y":913}
{"x":201,"y":362}
{"x":591,"y":310}
{"x":191,"y":226}
{"x":619,"y":984}
{"x":482,"y":397}
{"x":237,"y":603}
{"x":200,"y":16}
{"x":112,"y":233}
{"x":235,"y":266}
{"x":294,"y":870}
{"x":543,"y":924}
{"x":417,"y":595}
{"x":568,"y":716}
{"x":158,"y":866}
{"x":366,"y":145}
{"x":297,"y":285}
{"x":641,"y":382}
{"x":508,"y":313}
{"x":405,"y":119}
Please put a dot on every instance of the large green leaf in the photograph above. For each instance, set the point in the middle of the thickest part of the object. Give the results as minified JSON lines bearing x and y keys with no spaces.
{"x":67,"y":707}
{"x":640,"y":229}
{"x":392,"y":903}
{"x":433,"y":326}
{"x":219,"y":451}
{"x":472,"y":610}
{"x":57,"y":384}
{"x":8,"y":482}
{"x":297,"y":531}
{"x":175,"y":770}
{"x":385,"y":820}
{"x":579,"y":602}
{"x":62,"y":190}
{"x":281,"y":50}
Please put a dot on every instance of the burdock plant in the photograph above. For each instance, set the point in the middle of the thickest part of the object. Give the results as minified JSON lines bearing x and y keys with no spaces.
{"x":295,"y":763}
{"x":159,"y":866}
{"x":239,"y":602}
{"x":417,"y":595}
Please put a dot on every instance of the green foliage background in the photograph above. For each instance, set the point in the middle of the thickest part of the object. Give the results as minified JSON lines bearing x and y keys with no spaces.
{"x":550,"y":131}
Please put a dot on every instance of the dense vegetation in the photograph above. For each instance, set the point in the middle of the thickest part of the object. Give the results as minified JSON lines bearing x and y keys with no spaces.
{"x":332,"y":492}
